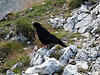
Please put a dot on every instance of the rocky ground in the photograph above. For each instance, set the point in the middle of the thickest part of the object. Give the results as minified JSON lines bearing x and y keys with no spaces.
{"x":81,"y":32}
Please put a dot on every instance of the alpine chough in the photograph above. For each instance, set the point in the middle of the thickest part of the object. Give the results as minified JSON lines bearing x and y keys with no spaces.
{"x":45,"y":37}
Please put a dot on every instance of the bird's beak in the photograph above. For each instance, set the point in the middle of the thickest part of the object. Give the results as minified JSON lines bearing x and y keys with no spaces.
{"x":32,"y":22}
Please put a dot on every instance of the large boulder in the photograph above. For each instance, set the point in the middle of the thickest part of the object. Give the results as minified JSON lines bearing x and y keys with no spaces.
{"x":50,"y":66}
{"x":40,"y":56}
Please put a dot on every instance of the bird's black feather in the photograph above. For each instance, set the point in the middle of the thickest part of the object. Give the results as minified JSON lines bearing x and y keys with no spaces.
{"x":45,"y":37}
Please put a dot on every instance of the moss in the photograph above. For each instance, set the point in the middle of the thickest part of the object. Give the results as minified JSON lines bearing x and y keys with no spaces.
{"x":77,"y":35}
{"x":93,"y":1}
{"x":12,"y":53}
{"x":61,"y":70}
{"x":93,"y":45}
{"x":83,"y":70}
{"x":71,"y":4}
{"x":97,"y":31}
{"x":5,"y":23}
{"x":8,"y":47}
{"x":61,"y":33}
{"x":24,"y":26}
{"x":56,"y":55}
{"x":21,"y":58}
{"x":40,"y":10}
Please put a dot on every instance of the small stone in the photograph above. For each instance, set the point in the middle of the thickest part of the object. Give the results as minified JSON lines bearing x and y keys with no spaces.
{"x":28,"y":42}
{"x":19,"y":64}
{"x":30,"y":9}
{"x":10,"y":72}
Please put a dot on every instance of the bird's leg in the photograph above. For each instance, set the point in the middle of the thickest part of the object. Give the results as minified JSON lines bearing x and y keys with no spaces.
{"x":44,"y":46}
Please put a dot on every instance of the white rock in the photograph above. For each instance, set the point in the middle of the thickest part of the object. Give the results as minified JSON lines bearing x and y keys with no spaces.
{"x":71,"y":22}
{"x":28,"y":42}
{"x":83,"y":24}
{"x":19,"y":64}
{"x":22,"y":37}
{"x":36,"y":60}
{"x":84,"y":9}
{"x":96,"y":65}
{"x":81,"y":55}
{"x":8,"y":36}
{"x":38,"y":57}
{"x":30,"y":9}
{"x":10,"y":72}
{"x":96,"y":10}
{"x":36,"y":48}
{"x":86,"y":34}
{"x":82,"y":64}
{"x":68,"y":53}
{"x":50,"y":66}
{"x":82,"y":16}
{"x":70,"y":70}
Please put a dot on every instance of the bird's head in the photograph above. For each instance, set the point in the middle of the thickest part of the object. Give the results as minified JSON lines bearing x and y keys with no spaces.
{"x":36,"y":24}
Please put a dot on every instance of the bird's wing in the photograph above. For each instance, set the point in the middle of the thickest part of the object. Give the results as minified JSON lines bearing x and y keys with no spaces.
{"x":46,"y":37}
{"x":43,"y":35}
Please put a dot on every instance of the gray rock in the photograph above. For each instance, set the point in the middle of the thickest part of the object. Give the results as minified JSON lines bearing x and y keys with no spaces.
{"x":70,"y":25}
{"x":38,"y":57}
{"x":86,"y":34}
{"x":50,"y":66}
{"x":83,"y":24}
{"x":19,"y":64}
{"x":68,"y":53}
{"x":82,"y":16}
{"x":57,"y":22}
{"x":22,"y":38}
{"x":81,"y":55}
{"x":19,"y":37}
{"x":96,"y":29}
{"x":36,"y":60}
{"x":96,"y":10}
{"x":84,"y":8}
{"x":9,"y":35}
{"x":10,"y":72}
{"x":82,"y":64}
{"x":96,"y":65}
{"x":70,"y":70}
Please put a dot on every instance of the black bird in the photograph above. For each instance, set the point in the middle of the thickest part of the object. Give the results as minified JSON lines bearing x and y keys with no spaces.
{"x":45,"y":37}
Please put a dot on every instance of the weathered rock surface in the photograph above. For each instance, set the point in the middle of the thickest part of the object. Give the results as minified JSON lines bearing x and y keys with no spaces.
{"x":50,"y":66}
{"x":68,"y":53}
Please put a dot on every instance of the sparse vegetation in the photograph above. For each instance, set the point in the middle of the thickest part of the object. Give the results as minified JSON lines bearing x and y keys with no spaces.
{"x":24,"y":26}
{"x":73,"y":4}
{"x":81,"y":70}
{"x":56,"y":55}
{"x":11,"y":53}
{"x":93,"y":45}
{"x":77,"y":35}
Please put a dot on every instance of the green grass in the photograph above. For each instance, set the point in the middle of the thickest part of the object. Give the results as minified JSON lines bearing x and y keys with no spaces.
{"x":77,"y":35}
{"x":8,"y":47}
{"x":12,"y":53}
{"x":71,"y":4}
{"x":24,"y":26}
